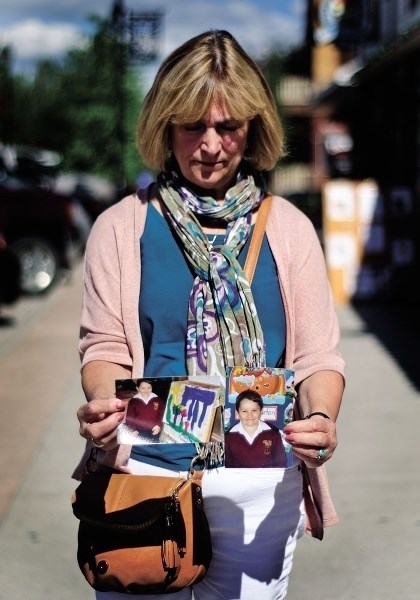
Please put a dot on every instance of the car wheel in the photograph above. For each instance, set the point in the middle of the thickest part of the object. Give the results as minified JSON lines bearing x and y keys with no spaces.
{"x":38,"y":264}
{"x":10,"y":277}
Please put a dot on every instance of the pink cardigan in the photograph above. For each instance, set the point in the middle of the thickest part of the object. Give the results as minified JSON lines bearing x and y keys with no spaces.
{"x":110,"y":329}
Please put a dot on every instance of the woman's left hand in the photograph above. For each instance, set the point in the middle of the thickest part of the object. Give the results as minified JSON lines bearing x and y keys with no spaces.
{"x":313,"y":440}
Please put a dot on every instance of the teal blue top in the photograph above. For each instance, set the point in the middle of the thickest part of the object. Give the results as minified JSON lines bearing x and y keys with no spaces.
{"x":167,"y":280}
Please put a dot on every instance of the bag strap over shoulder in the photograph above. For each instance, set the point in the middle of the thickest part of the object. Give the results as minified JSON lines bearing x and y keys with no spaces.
{"x":257,"y":238}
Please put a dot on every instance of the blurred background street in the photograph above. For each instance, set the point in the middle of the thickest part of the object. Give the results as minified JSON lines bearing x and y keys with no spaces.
{"x":346,"y":81}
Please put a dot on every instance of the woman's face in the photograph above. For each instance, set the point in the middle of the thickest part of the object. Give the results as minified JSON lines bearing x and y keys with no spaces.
{"x":209,"y":152}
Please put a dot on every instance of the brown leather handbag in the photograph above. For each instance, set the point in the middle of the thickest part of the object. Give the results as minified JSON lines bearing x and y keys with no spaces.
{"x":141,"y":534}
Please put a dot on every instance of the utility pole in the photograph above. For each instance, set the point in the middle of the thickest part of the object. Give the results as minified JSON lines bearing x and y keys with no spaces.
{"x":139,"y":30}
{"x":7,"y":115}
{"x":138,"y":33}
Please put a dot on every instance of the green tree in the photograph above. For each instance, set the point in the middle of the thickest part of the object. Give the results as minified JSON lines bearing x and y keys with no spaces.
{"x":85,"y":108}
{"x":273,"y":68}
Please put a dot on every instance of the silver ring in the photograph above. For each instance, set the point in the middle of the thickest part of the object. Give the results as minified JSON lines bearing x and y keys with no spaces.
{"x":92,"y":441}
{"x":322,"y":453}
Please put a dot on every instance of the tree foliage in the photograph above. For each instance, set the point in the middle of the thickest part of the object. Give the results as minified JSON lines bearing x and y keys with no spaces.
{"x":273,"y":68}
{"x":84,"y":108}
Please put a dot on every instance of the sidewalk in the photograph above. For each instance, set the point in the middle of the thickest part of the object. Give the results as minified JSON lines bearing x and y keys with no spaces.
{"x":374,"y":476}
{"x":39,"y":445}
{"x":372,"y":554}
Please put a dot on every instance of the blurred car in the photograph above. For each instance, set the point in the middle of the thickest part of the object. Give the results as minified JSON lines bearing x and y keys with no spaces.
{"x":9,"y":274}
{"x":94,"y":193}
{"x":45,"y":230}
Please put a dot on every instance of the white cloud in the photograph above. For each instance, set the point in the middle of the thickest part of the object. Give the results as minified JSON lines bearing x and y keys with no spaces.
{"x":255,"y":28}
{"x":34,"y":39}
{"x":36,"y":29}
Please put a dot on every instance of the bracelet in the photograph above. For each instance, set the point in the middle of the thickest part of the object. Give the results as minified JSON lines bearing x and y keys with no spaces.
{"x":321,"y":414}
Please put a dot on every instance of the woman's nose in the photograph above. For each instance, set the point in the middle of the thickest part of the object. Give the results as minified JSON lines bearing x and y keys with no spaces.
{"x":211,"y":141}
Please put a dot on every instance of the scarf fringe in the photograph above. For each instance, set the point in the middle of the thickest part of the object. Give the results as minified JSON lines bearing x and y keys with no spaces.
{"x":210,"y":454}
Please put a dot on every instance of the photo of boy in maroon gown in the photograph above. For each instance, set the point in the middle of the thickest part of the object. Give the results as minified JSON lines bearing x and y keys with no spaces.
{"x":145,"y":413}
{"x":253,"y":442}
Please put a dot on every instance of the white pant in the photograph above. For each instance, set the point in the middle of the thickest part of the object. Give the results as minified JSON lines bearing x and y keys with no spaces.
{"x":255,"y":518}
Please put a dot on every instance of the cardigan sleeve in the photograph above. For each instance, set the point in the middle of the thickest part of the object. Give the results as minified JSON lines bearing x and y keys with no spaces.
{"x":111,"y":284}
{"x":102,"y":330}
{"x":313,"y":330}
{"x":312,"y":341}
{"x":317,"y":333}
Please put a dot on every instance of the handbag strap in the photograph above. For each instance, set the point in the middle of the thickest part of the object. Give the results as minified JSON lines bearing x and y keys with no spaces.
{"x":196,"y":475}
{"x":257,"y":238}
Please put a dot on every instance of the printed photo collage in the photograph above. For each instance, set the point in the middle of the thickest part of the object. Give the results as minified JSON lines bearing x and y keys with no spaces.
{"x":247,"y":412}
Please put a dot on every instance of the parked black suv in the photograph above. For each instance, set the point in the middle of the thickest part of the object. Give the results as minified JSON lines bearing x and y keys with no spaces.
{"x":45,"y":230}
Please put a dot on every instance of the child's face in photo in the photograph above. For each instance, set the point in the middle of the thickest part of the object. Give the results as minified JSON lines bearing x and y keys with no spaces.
{"x":145,"y":388}
{"x":249,"y":412}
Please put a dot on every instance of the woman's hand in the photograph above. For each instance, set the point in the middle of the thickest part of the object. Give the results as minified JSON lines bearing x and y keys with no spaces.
{"x":99,"y":420}
{"x":101,"y":415}
{"x":313,"y":440}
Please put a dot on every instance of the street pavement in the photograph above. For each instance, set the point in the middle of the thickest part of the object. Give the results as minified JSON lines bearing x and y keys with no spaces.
{"x":372,"y":554}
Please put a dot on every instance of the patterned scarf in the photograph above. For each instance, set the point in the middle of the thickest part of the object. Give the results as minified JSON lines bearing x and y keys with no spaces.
{"x":223,"y":328}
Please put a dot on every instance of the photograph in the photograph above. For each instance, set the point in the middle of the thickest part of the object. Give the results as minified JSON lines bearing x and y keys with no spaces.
{"x":166,"y":410}
{"x":259,"y":403}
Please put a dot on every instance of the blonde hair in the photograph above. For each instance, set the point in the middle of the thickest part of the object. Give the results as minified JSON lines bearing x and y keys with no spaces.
{"x":211,"y":66}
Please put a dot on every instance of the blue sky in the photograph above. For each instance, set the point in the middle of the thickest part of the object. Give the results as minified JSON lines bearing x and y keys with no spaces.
{"x":37,"y":29}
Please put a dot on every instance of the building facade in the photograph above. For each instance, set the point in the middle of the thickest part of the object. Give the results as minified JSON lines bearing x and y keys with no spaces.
{"x":352,"y":108}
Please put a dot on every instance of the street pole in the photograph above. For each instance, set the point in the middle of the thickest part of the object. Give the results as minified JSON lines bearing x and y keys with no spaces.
{"x":138,"y":33}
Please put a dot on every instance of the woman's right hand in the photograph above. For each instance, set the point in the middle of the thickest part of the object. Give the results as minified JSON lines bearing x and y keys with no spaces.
{"x":99,"y":419}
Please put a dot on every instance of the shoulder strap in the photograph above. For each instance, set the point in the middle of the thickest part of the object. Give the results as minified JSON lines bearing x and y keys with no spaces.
{"x":257,"y":238}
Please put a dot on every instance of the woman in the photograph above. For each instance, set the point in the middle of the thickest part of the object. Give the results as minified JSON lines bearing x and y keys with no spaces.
{"x":209,"y":126}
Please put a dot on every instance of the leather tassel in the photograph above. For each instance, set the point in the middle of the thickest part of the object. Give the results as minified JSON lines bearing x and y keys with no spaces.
{"x":169,"y":554}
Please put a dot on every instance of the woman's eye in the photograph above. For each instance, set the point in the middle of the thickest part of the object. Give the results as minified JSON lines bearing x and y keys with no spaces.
{"x":230,"y":126}
{"x":193,"y":127}
{"x":221,"y":127}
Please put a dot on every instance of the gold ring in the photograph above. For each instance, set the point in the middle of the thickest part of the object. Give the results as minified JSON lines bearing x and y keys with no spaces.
{"x":92,"y":441}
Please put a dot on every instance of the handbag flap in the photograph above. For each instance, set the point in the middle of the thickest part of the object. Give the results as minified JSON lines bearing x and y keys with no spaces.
{"x":122,"y":500}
